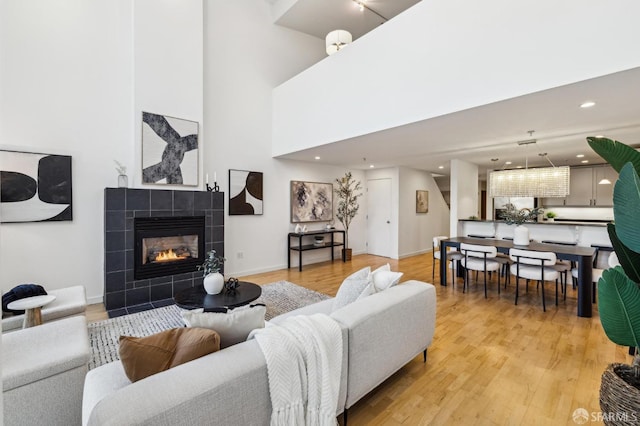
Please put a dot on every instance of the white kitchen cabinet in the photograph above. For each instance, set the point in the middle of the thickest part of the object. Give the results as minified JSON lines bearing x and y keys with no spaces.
{"x":585,"y":189}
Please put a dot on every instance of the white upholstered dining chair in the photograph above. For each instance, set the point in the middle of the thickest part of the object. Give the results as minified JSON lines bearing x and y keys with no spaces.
{"x":534,"y":265}
{"x":479,"y":258}
{"x":452,"y":256}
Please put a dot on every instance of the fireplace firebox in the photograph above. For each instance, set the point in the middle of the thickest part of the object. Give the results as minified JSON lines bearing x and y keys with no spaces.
{"x":167,"y":245}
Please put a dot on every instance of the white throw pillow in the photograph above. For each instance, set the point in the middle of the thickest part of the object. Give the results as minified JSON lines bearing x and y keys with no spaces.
{"x":381,"y":279}
{"x":233,"y":326}
{"x":352,"y":287}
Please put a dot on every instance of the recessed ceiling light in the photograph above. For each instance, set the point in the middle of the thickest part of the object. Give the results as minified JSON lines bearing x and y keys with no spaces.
{"x":599,"y":136}
{"x":587,"y":104}
{"x":518,"y":167}
{"x":584,"y":161}
{"x":317,"y":158}
{"x":580,"y":155}
{"x":508,"y":162}
{"x":371,"y":166}
{"x":441,"y":167}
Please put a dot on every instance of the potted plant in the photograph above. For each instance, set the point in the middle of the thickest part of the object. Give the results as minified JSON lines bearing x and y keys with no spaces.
{"x":618,"y":289}
{"x":348,"y":194}
{"x":550,"y":215}
{"x":213,"y":279}
{"x":512,"y":215}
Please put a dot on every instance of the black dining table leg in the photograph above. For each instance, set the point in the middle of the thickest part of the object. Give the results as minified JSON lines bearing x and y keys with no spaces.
{"x":443,"y":264}
{"x":584,"y":287}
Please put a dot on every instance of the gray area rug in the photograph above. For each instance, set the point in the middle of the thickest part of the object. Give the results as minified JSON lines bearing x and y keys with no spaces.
{"x":279,"y":297}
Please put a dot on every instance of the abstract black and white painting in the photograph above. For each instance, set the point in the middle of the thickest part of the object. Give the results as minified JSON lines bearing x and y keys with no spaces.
{"x":169,"y":150}
{"x":311,"y":202}
{"x":34,"y":187}
{"x":245,"y":192}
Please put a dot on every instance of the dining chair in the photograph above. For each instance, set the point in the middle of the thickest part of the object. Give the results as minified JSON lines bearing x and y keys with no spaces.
{"x":479,"y":258}
{"x":452,"y":256}
{"x":600,"y":263}
{"x":534,"y":265}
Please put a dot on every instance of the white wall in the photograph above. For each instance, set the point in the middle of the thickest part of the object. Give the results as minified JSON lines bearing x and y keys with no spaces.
{"x":168,"y":39}
{"x":424,"y":63}
{"x":416,"y":230}
{"x":246,"y":56}
{"x":464,"y":193}
{"x":66,"y":88}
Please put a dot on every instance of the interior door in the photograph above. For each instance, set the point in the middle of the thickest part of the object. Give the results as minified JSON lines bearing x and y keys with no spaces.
{"x":379,"y":217}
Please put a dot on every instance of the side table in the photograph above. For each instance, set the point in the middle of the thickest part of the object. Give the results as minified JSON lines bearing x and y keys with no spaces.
{"x":32,"y":307}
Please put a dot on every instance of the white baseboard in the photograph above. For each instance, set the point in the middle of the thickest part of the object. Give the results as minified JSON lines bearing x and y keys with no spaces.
{"x":415,"y":253}
{"x":95,"y":300}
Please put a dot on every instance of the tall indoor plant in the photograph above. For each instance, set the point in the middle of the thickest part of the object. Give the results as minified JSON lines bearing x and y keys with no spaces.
{"x":348,"y":194}
{"x":619,"y":287}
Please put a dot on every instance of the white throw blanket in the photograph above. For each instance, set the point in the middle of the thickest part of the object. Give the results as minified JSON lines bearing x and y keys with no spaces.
{"x":304,"y":362}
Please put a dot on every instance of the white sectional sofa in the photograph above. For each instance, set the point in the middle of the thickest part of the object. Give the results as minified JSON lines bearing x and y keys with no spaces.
{"x":43,"y":372}
{"x":381,"y":333}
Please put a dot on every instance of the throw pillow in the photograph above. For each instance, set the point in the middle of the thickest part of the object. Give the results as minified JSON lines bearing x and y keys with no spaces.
{"x":233,"y":326}
{"x":352,"y":287}
{"x":143,"y":356}
{"x":381,"y":279}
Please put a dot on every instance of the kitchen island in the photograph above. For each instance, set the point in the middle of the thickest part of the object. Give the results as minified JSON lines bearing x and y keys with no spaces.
{"x":570,"y":232}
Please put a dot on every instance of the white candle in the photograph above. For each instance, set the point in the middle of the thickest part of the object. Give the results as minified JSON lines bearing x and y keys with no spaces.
{"x":215,"y":176}
{"x":207,"y":179}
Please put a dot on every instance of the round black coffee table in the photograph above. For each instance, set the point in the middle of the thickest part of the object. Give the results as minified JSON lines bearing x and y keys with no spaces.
{"x":197,"y":297}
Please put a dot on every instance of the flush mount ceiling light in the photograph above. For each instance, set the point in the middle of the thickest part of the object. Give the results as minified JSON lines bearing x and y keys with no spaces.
{"x":587,"y":104}
{"x":604,"y":181}
{"x":544,"y":182}
{"x":337,"y":40}
{"x":317,"y":157}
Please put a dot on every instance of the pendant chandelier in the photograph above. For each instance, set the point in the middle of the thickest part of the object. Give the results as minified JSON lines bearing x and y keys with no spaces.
{"x":543,"y":182}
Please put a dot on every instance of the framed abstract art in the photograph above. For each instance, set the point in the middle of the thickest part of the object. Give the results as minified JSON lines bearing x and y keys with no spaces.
{"x":245,"y":192}
{"x":35,"y":187}
{"x":311,"y":202}
{"x":169,"y":150}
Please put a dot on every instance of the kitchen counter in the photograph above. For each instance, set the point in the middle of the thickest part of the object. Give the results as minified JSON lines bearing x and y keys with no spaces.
{"x":546,"y":222}
{"x":582,"y":233}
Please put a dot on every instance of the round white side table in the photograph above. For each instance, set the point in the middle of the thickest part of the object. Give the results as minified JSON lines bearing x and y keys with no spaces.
{"x":32,"y":307}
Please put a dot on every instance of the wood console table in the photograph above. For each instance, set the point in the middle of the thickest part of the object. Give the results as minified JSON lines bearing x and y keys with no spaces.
{"x":311,"y":246}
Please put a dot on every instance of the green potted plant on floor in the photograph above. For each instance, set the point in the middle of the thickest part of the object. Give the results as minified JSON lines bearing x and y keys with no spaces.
{"x":619,"y":287}
{"x":348,"y":194}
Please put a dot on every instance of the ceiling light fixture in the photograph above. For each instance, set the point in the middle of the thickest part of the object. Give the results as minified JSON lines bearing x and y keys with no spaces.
{"x":584,"y":161}
{"x":604,"y":181}
{"x":317,"y":158}
{"x":508,"y":162}
{"x":363,"y":6}
{"x":539,"y":182}
{"x":580,"y":155}
{"x":441,"y":167}
{"x":371,"y":166}
{"x":587,"y":104}
{"x":337,"y":40}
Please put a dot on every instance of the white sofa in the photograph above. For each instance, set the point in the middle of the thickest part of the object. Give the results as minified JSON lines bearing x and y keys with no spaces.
{"x":43,"y":372}
{"x":381,"y":333}
{"x":70,"y":301}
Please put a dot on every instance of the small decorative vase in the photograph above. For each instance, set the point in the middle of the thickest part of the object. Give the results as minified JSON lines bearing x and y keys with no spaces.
{"x":521,"y":236}
{"x":123,"y":181}
{"x":214,"y":283}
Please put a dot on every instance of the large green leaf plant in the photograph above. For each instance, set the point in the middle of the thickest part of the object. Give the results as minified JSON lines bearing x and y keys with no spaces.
{"x":619,"y":287}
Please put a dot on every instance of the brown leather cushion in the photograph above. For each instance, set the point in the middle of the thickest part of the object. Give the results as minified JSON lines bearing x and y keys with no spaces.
{"x":144,"y":356}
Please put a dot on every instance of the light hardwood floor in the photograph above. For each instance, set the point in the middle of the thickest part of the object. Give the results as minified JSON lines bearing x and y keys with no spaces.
{"x":490,"y":363}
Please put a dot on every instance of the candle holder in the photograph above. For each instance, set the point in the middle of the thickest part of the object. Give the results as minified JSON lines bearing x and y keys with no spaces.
{"x":215,"y":188}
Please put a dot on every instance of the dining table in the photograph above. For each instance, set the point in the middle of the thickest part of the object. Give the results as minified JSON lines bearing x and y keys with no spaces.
{"x":583,"y":256}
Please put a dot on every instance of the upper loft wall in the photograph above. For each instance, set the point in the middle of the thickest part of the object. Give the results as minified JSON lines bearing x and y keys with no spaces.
{"x":433,"y":60}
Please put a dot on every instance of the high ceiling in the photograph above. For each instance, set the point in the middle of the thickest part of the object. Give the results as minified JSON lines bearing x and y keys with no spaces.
{"x":482,"y":134}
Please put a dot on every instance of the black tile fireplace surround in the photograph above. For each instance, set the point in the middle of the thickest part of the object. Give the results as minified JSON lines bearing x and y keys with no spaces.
{"x":122,"y":292}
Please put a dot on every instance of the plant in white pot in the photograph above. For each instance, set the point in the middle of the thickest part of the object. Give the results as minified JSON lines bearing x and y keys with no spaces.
{"x":348,"y":194}
{"x":213,"y":279}
{"x":513,"y":216}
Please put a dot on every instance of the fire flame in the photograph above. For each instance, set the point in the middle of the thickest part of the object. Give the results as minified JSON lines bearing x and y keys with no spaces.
{"x":168,"y":255}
